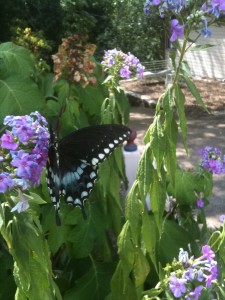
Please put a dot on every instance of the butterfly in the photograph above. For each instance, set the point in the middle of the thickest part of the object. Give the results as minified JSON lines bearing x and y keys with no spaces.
{"x":72,"y":164}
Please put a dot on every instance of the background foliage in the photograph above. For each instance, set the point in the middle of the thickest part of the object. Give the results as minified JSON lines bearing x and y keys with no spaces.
{"x":109,"y":24}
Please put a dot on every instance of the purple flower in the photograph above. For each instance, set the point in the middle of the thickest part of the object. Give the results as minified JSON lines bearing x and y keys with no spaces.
{"x":7,"y":141}
{"x":140,"y":70}
{"x":197,"y":292}
{"x":120,"y":65}
{"x":6,"y":182}
{"x":26,"y":165}
{"x":177,"y":286}
{"x":177,"y":30}
{"x":212,"y":275}
{"x":189,"y":274}
{"x":175,"y":5}
{"x":125,"y":72}
{"x":156,"y":2}
{"x":200,"y":275}
{"x":222,"y":218}
{"x":200,"y":203}
{"x":207,"y":252}
{"x":217,"y":7}
{"x":212,"y":160}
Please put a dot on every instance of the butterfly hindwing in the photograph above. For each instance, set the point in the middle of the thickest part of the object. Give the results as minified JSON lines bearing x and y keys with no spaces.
{"x":72,"y":165}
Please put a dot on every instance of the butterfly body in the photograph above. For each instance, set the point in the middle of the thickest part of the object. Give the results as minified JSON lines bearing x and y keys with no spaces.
{"x":72,"y":164}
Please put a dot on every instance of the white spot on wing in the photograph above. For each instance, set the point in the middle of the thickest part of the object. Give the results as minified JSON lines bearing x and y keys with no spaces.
{"x":92,"y":175}
{"x":111,"y":145}
{"x":94,"y":161}
{"x":101,"y":155}
{"x":69,"y":199}
{"x":84,"y":194}
{"x":77,"y":202}
{"x":106,"y":150}
{"x":89,"y":185}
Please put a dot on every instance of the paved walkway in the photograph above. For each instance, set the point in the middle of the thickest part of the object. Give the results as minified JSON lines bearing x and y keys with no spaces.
{"x":204,"y":131}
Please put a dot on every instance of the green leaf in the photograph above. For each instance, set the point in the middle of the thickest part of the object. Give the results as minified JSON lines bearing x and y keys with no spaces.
{"x":90,"y":98}
{"x":122,"y":286}
{"x":144,"y":173}
{"x":150,"y":236}
{"x":171,"y":134}
{"x":15,"y":60}
{"x":158,"y":198}
{"x":133,"y":212}
{"x":188,"y":185}
{"x":93,"y":285}
{"x":201,"y":47}
{"x":157,"y":140}
{"x":86,"y":232}
{"x":191,"y":86}
{"x":126,"y":247}
{"x":173,"y":238}
{"x":19,"y":96}
{"x":32,"y":268}
{"x":180,"y":100}
{"x":141,"y":267}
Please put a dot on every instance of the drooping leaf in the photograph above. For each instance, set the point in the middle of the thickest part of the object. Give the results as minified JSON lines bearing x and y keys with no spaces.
{"x":144,"y":172}
{"x":134,"y":209}
{"x":201,"y":47}
{"x":158,"y":198}
{"x":150,"y":236}
{"x":191,"y":86}
{"x":141,"y":267}
{"x":180,"y":100}
{"x":157,"y":140}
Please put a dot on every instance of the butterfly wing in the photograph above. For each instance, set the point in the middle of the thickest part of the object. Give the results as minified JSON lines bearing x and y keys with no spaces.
{"x":78,"y":156}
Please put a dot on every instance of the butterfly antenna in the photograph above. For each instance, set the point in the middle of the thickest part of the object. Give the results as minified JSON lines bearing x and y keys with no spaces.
{"x":83,"y":213}
{"x":61,"y":111}
{"x":57,"y":217}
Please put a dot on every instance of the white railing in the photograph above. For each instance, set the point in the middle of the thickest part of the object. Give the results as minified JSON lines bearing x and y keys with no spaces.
{"x":156,"y":68}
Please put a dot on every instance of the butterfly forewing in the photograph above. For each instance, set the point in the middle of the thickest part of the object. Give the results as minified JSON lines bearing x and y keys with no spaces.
{"x":73,"y":164}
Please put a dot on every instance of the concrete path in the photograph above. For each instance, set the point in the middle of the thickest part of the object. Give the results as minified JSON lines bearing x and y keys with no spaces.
{"x":203,"y":131}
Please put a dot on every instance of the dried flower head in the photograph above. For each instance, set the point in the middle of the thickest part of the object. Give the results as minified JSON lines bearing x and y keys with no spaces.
{"x":73,"y":62}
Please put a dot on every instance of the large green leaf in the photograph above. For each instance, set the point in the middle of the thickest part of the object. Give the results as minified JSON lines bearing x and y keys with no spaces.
{"x":93,"y":285}
{"x":18,"y":96}
{"x":85,"y":233}
{"x":189,"y":185}
{"x":173,"y":238}
{"x":32,"y":265}
{"x":15,"y":60}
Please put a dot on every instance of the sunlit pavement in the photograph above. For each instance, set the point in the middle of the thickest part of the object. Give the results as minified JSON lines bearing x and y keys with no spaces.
{"x":202,"y":131}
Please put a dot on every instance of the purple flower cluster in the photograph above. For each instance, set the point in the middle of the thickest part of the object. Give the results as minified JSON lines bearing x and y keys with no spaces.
{"x":23,"y":152}
{"x":194,"y":274}
{"x":212,"y":160}
{"x":196,"y":20}
{"x":117,"y":63}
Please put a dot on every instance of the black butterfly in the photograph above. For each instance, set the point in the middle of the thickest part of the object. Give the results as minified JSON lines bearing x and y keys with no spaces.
{"x":72,"y":164}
